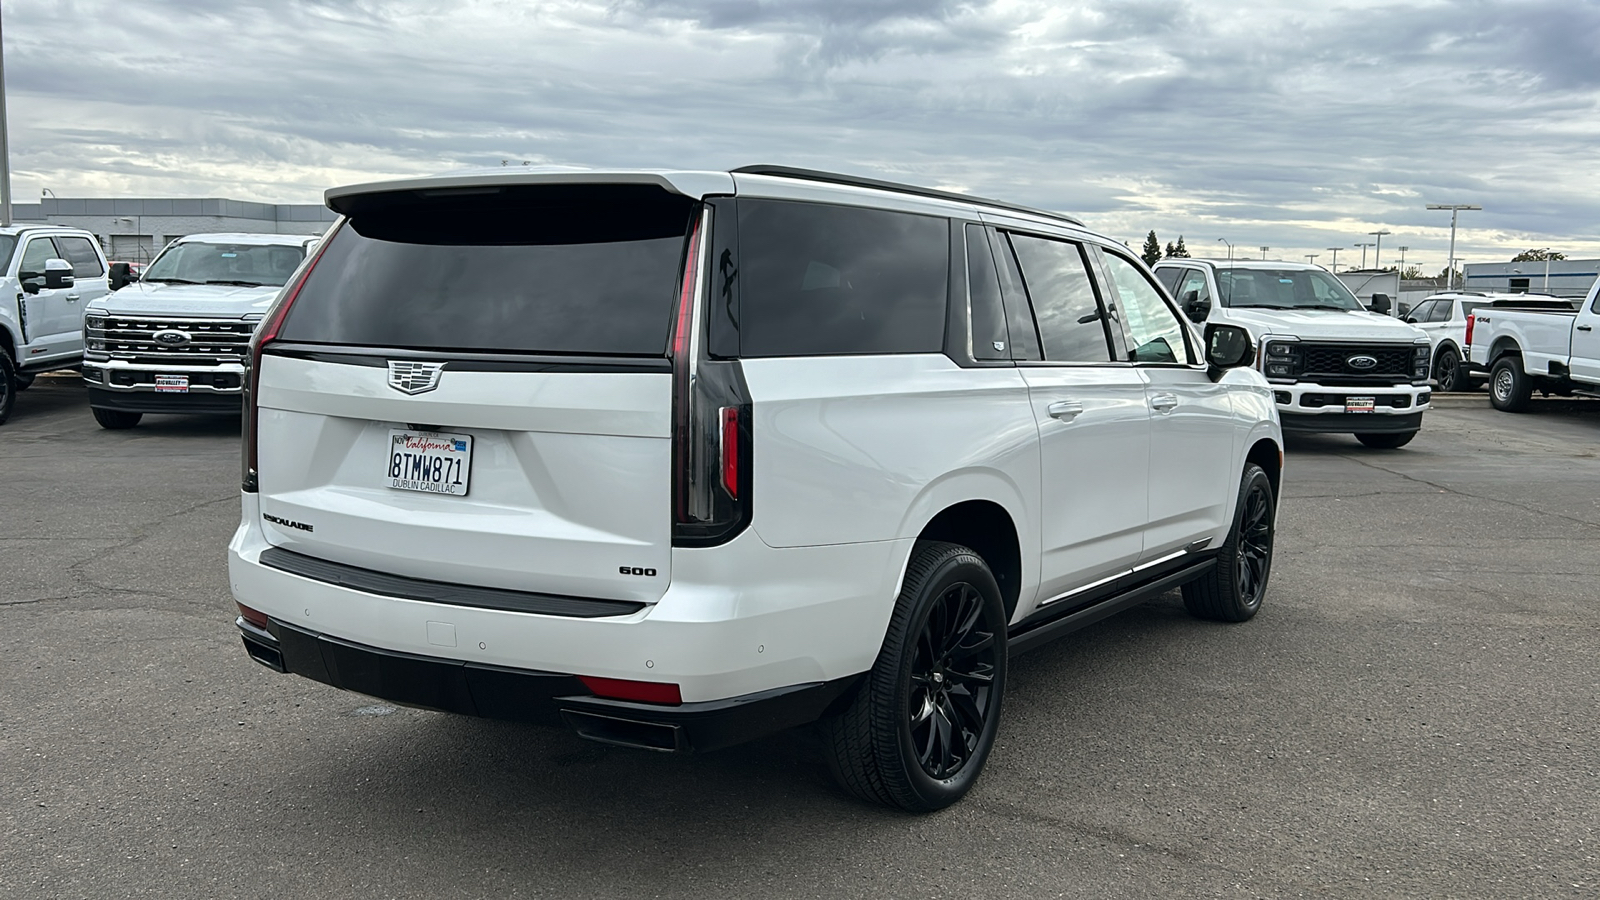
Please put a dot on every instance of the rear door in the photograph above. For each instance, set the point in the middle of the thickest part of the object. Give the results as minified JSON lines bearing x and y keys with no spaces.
{"x":474,"y":388}
{"x":1094,"y":426}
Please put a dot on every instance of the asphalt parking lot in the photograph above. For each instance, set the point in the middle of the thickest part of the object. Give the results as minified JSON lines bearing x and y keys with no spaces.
{"x":1415,"y":712}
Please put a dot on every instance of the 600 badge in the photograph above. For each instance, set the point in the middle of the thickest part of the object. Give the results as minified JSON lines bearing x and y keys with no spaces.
{"x":635,"y":570}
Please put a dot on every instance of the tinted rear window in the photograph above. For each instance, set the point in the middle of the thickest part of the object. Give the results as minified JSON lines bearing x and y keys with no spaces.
{"x":549,"y":269}
{"x":818,"y":280}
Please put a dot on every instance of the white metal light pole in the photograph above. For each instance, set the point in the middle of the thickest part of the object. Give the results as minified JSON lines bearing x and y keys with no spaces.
{"x":1377,"y":248}
{"x":1312,"y":258}
{"x":1230,"y":250}
{"x":5,"y":146}
{"x":1335,"y":252}
{"x":1450,"y":270}
{"x":1364,"y":247}
{"x":1264,"y":252}
{"x":1546,"y":252}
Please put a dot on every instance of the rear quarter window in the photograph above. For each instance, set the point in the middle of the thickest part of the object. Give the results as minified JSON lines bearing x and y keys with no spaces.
{"x":822,"y":280}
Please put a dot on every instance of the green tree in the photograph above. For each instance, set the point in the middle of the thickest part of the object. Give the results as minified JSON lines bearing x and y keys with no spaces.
{"x":1151,"y":254}
{"x":1178,"y":250}
{"x":1412,"y":273}
{"x":1538,"y":255}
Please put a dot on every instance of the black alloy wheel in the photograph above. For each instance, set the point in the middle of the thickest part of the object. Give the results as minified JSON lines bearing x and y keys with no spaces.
{"x":1447,"y":371}
{"x":8,"y":385}
{"x":1234,"y":588}
{"x":919,"y":729}
{"x":952,"y":682}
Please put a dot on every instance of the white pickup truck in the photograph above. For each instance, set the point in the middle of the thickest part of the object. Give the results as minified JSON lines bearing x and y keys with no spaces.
{"x":1334,"y":367}
{"x":174,"y":341}
{"x":1545,"y":345}
{"x":48,"y":275}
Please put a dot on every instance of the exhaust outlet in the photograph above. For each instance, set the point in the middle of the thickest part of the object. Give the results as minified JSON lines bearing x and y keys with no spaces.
{"x":627,"y":732}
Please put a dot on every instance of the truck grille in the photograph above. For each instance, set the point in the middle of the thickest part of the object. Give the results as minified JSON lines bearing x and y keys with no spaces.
{"x":183,"y":342}
{"x":1329,"y":363}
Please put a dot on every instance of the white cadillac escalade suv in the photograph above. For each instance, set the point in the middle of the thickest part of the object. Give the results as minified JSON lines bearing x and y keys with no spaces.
{"x":680,"y":459}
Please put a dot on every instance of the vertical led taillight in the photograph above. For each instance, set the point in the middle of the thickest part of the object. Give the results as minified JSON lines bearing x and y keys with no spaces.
{"x":711,"y":438}
{"x":265,"y":333}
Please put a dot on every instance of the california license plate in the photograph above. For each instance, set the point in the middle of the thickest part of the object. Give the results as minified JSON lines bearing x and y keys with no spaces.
{"x":1359,"y":404}
{"x":433,"y":462}
{"x":172,"y":384}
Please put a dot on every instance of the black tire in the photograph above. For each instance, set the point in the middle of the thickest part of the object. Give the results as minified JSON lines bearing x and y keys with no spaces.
{"x":943,"y":662}
{"x":23,"y":382}
{"x":8,"y":384}
{"x":1447,"y":370}
{"x":1233,"y":590}
{"x":1386,"y":440}
{"x":1510,"y":388}
{"x":116,"y":418}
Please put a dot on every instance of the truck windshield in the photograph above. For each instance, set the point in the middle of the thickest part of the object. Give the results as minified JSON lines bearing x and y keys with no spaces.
{"x":247,"y":265}
{"x":1283,"y":289}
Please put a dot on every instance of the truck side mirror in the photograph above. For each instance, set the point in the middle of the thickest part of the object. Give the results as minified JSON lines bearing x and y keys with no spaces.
{"x":122,"y":275}
{"x":1196,"y":309}
{"x":57,"y":274}
{"x":1381,"y":304}
{"x":1227,"y":347}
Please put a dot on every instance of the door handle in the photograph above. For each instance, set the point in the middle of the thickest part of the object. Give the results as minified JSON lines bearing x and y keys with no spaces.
{"x":1163,"y":402}
{"x":73,"y":298}
{"x":1585,"y":328}
{"x":1066,"y":410}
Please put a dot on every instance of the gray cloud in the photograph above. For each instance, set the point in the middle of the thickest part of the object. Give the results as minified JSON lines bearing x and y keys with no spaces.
{"x":1267,"y":124}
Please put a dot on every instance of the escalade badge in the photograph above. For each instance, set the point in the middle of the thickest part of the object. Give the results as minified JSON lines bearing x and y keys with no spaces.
{"x":1361,"y":362}
{"x":410,"y":377}
{"x":171,"y":337}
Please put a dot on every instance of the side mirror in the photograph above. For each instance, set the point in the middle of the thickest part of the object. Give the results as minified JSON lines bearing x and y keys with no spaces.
{"x":1227,"y":347}
{"x":1196,"y":309}
{"x":122,"y":275}
{"x":1381,"y":304}
{"x":57,"y":274}
{"x":1412,"y":320}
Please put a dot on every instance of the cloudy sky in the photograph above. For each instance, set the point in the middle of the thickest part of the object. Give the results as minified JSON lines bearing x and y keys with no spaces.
{"x":1295,"y":125}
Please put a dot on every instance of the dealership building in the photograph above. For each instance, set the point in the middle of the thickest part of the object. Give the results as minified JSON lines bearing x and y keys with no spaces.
{"x":134,"y":229}
{"x":1560,"y":277}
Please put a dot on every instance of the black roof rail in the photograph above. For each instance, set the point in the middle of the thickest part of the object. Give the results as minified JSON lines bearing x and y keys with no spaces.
{"x":896,"y":187}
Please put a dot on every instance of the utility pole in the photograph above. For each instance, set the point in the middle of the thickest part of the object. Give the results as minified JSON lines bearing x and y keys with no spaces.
{"x":1364,"y":247}
{"x":1378,"y":247}
{"x":5,"y":144}
{"x":1335,"y":252}
{"x":1450,"y":269}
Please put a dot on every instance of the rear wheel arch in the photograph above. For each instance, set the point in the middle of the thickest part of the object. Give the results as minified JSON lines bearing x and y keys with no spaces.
{"x":987,"y":529}
{"x":1504,"y":347}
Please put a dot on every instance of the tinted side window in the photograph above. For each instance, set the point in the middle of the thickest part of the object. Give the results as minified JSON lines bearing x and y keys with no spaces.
{"x":1420,"y":312}
{"x":1071,"y":324}
{"x":1441,"y":311}
{"x":1154,"y":332}
{"x":34,"y":256}
{"x":989,"y":337}
{"x":1168,"y":276}
{"x":821,"y":280}
{"x":79,"y":252}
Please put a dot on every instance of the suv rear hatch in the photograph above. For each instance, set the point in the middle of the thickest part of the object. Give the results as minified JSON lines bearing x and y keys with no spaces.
{"x":473,"y":386}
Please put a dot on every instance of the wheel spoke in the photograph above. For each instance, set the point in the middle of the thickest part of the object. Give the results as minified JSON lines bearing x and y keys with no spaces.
{"x":966,"y":651}
{"x":943,"y":725}
{"x":971,"y":717}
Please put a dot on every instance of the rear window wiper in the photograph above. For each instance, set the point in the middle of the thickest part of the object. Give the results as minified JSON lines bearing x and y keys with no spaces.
{"x":234,"y":281}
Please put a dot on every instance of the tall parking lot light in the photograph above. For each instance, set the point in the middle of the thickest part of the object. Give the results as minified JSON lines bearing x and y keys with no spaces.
{"x":1335,"y":252}
{"x":1377,"y":248}
{"x":1312,"y":258}
{"x":1230,"y":249}
{"x":5,"y":145}
{"x":1455,"y":208}
{"x":1364,"y":245}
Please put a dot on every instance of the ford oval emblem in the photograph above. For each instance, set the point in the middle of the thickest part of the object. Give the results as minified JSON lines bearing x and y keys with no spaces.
{"x":1361,"y":362}
{"x":172,"y":337}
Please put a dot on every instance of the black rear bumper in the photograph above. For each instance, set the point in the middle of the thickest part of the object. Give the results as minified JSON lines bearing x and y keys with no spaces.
{"x":198,"y":403}
{"x":545,"y":698}
{"x":1350,"y":423}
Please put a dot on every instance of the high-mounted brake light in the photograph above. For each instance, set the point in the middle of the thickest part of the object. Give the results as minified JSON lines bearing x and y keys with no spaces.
{"x":266,"y":332}
{"x":641,"y":691}
{"x":1471,"y":321}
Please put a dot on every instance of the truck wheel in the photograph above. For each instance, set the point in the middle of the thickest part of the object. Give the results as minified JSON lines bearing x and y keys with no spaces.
{"x":8,"y":385}
{"x":1233,"y":590}
{"x":1390,"y":440}
{"x":1509,"y":387}
{"x":1447,"y":371}
{"x":921,"y":726}
{"x":116,"y":418}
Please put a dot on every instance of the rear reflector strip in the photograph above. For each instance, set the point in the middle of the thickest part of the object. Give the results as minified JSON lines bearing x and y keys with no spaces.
{"x":730,"y":450}
{"x":641,"y":691}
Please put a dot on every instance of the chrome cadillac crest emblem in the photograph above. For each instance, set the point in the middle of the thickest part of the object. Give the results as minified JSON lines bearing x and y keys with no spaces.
{"x":409,"y":377}
{"x":1361,"y":361}
{"x":171,"y":337}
